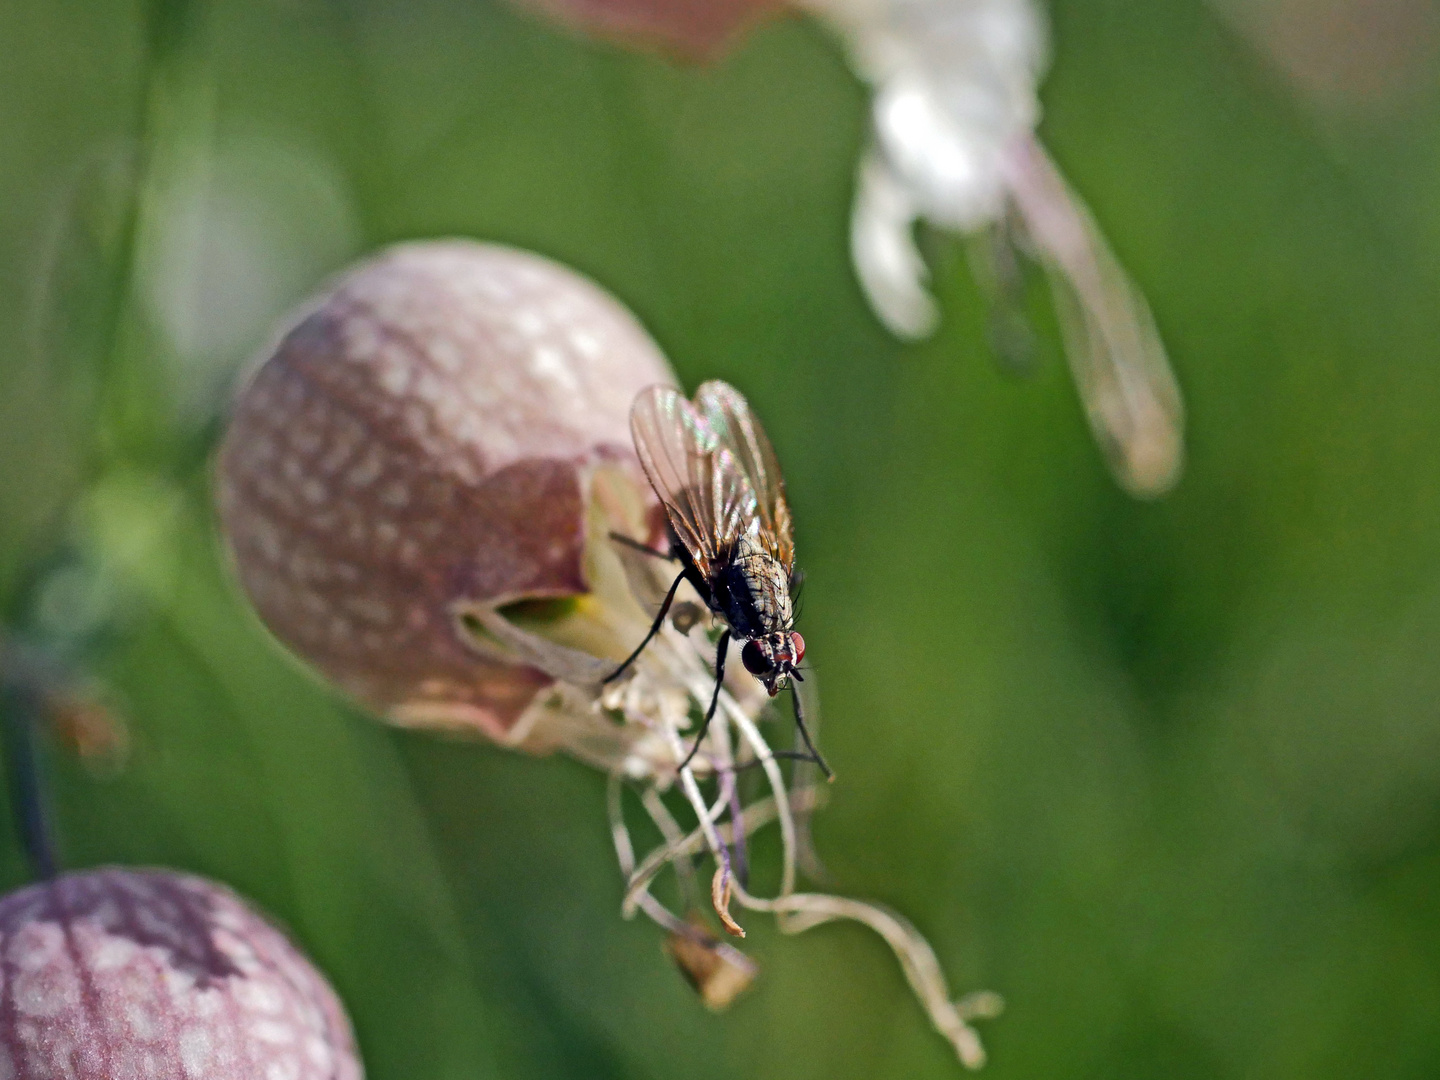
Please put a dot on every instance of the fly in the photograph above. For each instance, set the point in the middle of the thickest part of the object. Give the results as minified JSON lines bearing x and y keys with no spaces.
{"x":716,"y":474}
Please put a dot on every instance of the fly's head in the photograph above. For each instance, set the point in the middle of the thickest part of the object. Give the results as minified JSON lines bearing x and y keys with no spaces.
{"x":774,"y":658}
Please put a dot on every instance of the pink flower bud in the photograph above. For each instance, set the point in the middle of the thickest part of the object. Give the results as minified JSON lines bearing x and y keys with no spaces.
{"x":422,"y":441}
{"x":117,"y":974}
{"x":698,"y":29}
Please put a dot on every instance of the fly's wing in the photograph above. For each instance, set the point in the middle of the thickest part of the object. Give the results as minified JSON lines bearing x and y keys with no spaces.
{"x":728,"y":415}
{"x":706,"y":495}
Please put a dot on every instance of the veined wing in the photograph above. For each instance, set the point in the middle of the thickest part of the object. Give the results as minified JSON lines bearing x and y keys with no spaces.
{"x":728,"y":415}
{"x":706,"y":495}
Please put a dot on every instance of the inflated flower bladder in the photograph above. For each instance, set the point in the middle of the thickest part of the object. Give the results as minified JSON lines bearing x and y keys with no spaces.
{"x":141,"y":974}
{"x":422,"y":488}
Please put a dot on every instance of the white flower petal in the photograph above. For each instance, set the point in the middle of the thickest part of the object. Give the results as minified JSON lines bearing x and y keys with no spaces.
{"x":559,"y":662}
{"x":946,"y":153}
{"x":1115,"y":352}
{"x":882,"y":244}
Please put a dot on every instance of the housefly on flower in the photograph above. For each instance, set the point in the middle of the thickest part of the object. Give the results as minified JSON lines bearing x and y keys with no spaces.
{"x":715,"y":472}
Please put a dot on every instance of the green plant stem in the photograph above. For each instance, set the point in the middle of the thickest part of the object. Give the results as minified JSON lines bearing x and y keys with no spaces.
{"x":21,"y":705}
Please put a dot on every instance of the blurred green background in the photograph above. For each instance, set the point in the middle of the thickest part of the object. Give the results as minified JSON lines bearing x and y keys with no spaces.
{"x":1166,"y":776}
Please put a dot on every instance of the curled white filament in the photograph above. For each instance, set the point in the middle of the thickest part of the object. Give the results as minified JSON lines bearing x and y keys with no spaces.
{"x":639,"y":730}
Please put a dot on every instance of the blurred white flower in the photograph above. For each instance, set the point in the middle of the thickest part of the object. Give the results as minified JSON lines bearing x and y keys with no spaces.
{"x":954,"y":144}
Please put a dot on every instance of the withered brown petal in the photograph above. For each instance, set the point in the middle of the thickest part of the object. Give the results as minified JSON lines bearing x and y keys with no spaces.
{"x":420,"y":439}
{"x":692,"y":29}
{"x":718,"y":973}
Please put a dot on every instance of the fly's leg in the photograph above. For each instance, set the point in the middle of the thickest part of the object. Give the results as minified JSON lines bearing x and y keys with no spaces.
{"x":621,"y":538}
{"x":654,"y":629}
{"x":804,"y":734}
{"x":720,"y":649}
{"x":778,"y":755}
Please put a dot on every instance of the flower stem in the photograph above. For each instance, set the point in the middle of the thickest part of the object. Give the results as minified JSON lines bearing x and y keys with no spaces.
{"x":21,"y":703}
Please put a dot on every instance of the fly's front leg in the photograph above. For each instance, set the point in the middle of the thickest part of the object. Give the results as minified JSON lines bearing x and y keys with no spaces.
{"x":804,"y":734}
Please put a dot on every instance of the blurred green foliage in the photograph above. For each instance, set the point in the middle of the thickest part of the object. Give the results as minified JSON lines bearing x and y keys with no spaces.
{"x":1167,"y":776}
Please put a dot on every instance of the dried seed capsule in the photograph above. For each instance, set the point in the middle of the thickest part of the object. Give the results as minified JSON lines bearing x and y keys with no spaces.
{"x":422,"y":440}
{"x":118,"y":973}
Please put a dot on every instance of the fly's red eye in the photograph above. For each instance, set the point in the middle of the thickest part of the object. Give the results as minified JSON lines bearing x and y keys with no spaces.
{"x":797,"y":643}
{"x":755,"y":659}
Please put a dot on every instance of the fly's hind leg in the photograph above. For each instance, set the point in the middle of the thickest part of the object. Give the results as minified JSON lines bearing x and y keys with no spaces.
{"x":630,"y":542}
